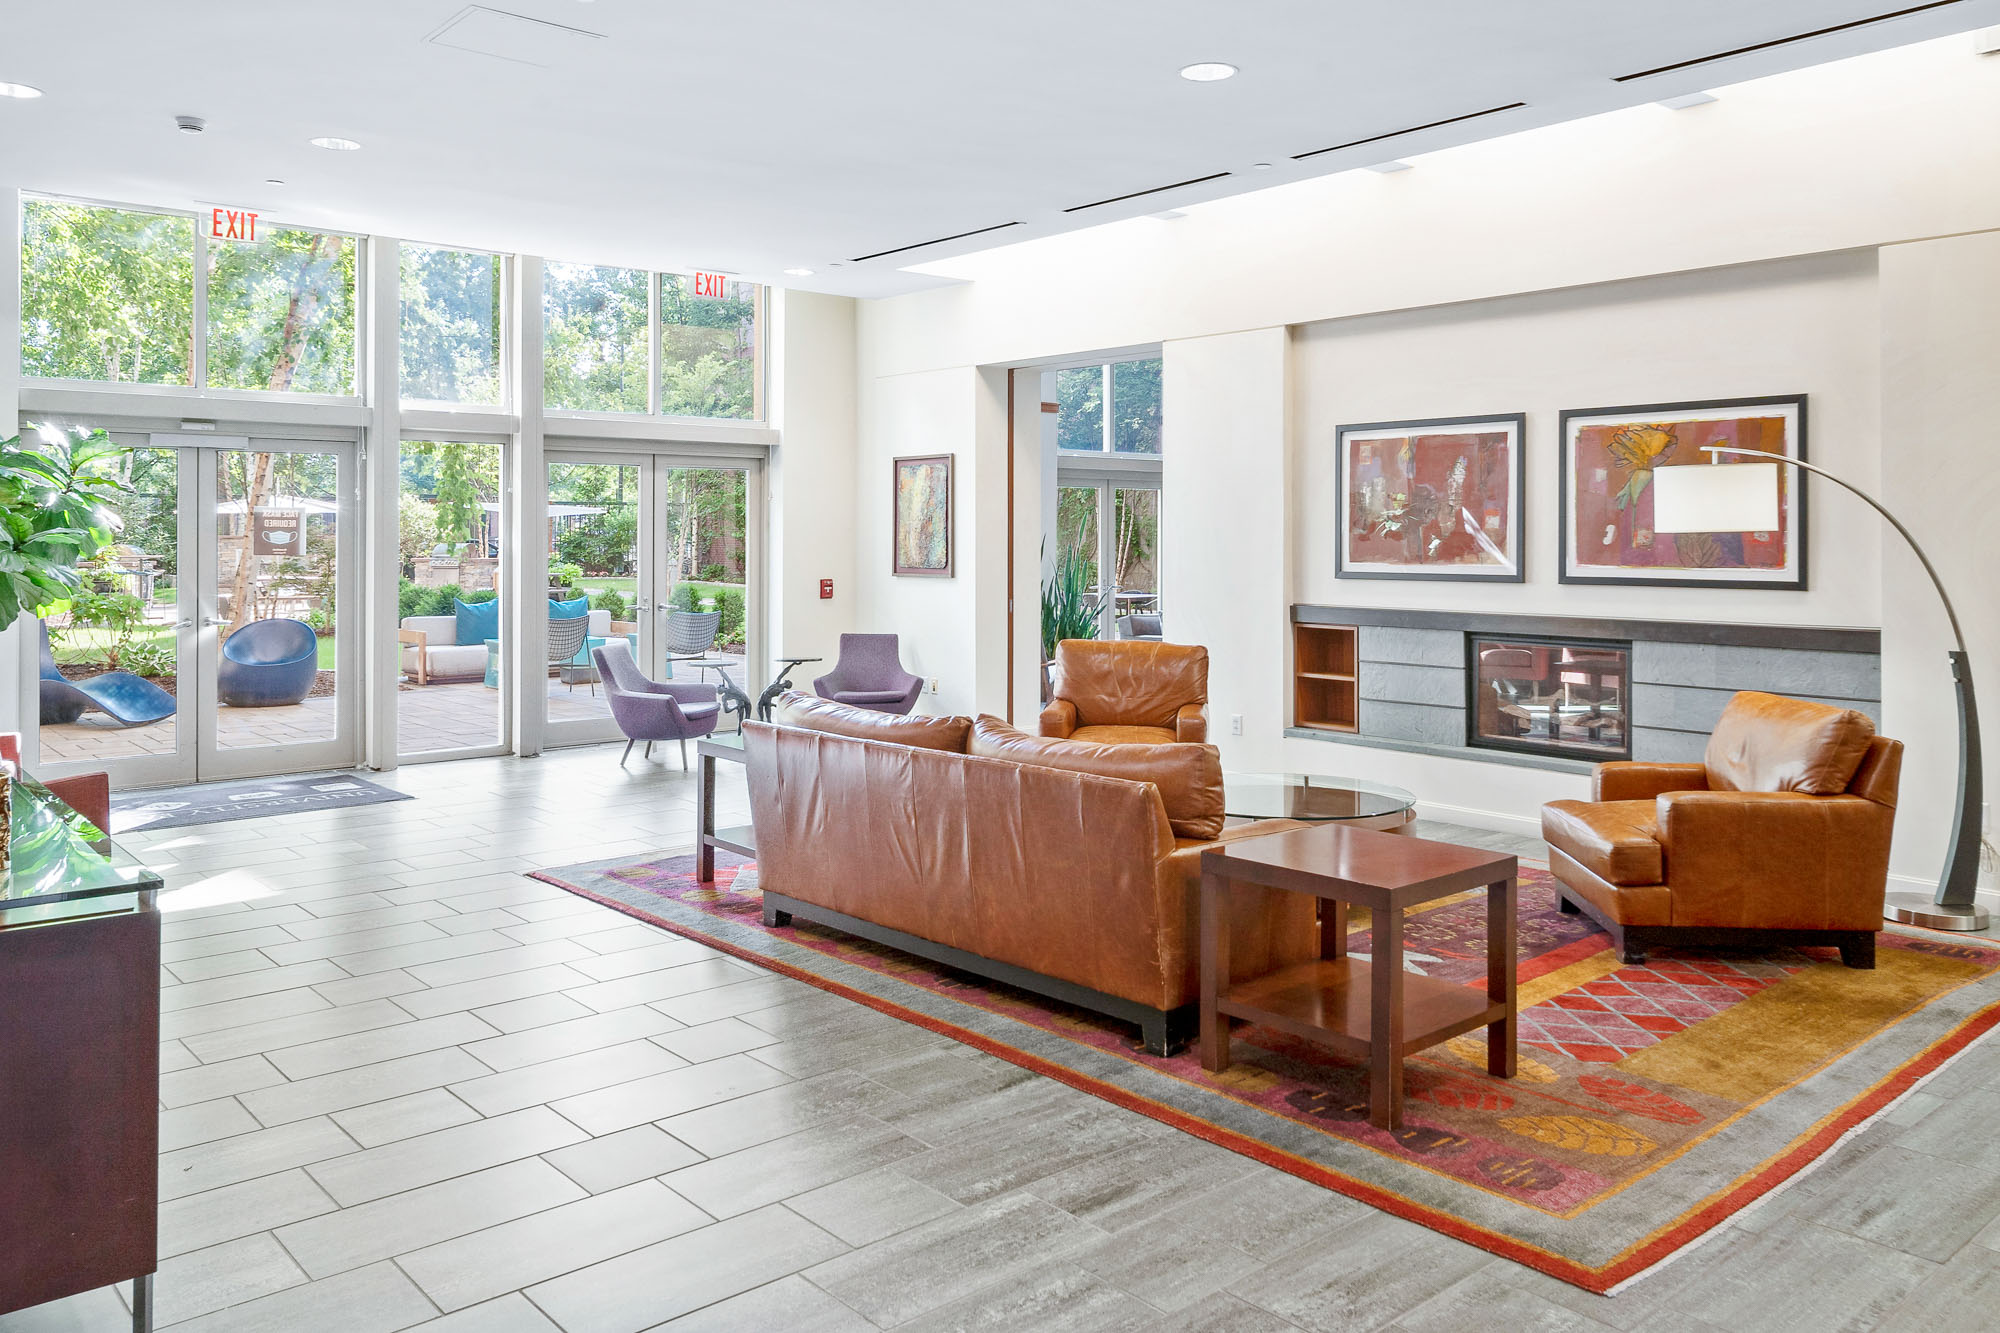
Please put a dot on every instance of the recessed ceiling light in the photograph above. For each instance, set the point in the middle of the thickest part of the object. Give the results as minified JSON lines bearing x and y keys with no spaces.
{"x":335,"y":144}
{"x":798,"y":273}
{"x":1260,"y":166}
{"x":1208,"y":71}
{"x":272,"y":180}
{"x":20,"y":90}
{"x":1686,"y":100}
{"x":1387,"y":167}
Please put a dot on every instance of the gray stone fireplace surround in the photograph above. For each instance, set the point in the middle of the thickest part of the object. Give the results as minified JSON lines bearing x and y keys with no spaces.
{"x":1413,"y":676}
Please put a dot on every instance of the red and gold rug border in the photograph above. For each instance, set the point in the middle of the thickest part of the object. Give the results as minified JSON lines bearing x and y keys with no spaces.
{"x":1659,"y":1246}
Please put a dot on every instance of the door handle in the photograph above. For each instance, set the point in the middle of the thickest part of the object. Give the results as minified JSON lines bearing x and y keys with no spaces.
{"x":210,"y":622}
{"x":183,"y":624}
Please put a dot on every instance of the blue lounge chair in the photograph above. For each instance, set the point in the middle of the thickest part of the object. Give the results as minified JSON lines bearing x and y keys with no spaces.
{"x":268,"y":664}
{"x":128,"y":700}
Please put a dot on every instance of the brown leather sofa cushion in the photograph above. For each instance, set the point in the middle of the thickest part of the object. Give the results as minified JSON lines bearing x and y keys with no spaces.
{"x":1618,"y":841}
{"x":1766,"y":742}
{"x":812,"y":713}
{"x":1124,"y":735}
{"x":1131,"y":684}
{"x":1189,"y":776}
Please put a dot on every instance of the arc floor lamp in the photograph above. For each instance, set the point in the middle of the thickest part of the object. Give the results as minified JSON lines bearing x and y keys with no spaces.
{"x":1743,"y":497}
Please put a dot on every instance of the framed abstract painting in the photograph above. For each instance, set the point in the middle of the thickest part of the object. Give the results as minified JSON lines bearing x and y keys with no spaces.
{"x":1430,"y":499}
{"x":923,"y":517}
{"x":1609,"y":456}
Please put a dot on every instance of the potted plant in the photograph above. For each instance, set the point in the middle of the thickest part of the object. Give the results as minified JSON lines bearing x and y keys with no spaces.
{"x":1066,"y":610}
{"x":55,"y":514}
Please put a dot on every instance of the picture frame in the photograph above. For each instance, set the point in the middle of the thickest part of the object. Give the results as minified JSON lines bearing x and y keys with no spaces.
{"x":1606,"y":458}
{"x":921,"y":502}
{"x":1393,"y":483}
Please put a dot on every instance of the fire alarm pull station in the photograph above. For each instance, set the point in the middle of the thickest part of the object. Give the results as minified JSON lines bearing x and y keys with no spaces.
{"x":826,"y":590}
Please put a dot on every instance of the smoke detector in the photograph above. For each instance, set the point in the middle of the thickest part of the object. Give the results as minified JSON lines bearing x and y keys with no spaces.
{"x":190,"y":124}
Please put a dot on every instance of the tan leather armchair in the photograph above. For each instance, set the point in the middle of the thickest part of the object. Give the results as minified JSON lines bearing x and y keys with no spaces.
{"x":1129,"y":692}
{"x":1779,"y":836}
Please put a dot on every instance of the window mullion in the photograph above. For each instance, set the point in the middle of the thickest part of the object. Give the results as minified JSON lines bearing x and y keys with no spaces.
{"x":1105,"y":417}
{"x":198,"y":339}
{"x":653,"y":334}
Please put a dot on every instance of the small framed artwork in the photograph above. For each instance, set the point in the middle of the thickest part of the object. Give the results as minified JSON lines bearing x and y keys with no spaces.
{"x":923,"y":517}
{"x":1430,"y":499}
{"x":1608,"y":458}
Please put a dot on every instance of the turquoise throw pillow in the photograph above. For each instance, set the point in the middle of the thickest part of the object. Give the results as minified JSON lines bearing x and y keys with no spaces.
{"x":478,"y":621}
{"x":570,"y":610}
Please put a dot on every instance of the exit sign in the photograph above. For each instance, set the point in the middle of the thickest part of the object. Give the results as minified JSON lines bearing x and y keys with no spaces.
{"x":231,"y":224}
{"x":711,"y":285}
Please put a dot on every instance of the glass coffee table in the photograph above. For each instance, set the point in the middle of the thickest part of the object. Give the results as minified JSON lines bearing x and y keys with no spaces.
{"x":1313,"y":799}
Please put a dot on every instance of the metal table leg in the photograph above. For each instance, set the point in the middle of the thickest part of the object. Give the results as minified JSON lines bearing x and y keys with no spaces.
{"x":142,"y":1304}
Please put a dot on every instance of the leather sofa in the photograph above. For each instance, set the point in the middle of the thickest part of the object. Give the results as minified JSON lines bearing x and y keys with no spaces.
{"x":1128,"y":692}
{"x":1779,"y":836}
{"x":917,"y":833}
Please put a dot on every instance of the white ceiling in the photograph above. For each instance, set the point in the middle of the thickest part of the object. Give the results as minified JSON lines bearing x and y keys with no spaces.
{"x":758,"y":136}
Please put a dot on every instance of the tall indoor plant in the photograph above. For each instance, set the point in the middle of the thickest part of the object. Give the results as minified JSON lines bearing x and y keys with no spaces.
{"x":1066,"y":609}
{"x":55,"y":513}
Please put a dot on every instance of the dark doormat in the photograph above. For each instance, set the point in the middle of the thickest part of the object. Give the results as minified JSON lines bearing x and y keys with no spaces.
{"x":221,"y":802}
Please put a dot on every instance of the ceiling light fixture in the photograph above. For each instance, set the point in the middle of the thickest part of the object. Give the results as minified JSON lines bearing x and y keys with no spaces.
{"x":1394,"y":165}
{"x":19,"y":90}
{"x":272,"y":180}
{"x":1260,"y":166}
{"x":798,"y":273}
{"x":1208,"y":71}
{"x":1686,"y":100}
{"x":335,"y":144}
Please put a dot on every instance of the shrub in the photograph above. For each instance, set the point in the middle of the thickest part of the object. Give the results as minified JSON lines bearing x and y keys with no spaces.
{"x":148,"y":657}
{"x":714,"y":573}
{"x":565,"y":575}
{"x":686,"y":597}
{"x":408,"y":597}
{"x":730,"y":604}
{"x":609,"y":600}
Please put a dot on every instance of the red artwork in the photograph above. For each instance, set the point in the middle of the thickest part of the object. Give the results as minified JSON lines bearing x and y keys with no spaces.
{"x":1420,"y":502}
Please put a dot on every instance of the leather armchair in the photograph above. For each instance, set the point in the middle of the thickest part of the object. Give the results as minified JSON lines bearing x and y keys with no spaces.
{"x":1779,"y":836}
{"x":1130,"y":692}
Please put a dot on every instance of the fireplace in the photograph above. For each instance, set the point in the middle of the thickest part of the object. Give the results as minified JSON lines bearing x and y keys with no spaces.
{"x":1551,"y":696}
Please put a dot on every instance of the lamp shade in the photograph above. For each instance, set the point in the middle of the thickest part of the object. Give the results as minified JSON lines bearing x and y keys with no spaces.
{"x":1716,"y":497}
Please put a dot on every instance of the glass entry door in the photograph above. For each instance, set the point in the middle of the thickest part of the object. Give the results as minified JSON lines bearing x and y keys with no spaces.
{"x":661,"y":555}
{"x":206,"y":644}
{"x":1113,"y":524}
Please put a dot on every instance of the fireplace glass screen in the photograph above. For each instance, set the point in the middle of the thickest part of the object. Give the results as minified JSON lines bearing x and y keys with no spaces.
{"x":1550,"y":696}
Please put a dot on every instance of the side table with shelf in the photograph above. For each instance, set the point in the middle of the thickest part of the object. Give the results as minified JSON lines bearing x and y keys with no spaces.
{"x":725,"y":747}
{"x":1374,"y":1010}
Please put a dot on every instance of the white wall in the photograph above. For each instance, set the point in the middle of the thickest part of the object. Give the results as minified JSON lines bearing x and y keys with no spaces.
{"x":1941,"y":475}
{"x":1644,"y":256}
{"x":812,"y":478}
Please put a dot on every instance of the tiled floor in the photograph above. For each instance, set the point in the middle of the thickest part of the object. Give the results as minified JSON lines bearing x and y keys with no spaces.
{"x":406,"y":1087}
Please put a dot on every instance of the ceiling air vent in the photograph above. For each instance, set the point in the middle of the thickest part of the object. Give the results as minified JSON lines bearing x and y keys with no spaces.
{"x":514,"y":37}
{"x":1157,"y":189}
{"x":1397,"y":134}
{"x":1784,"y":41}
{"x":940,"y":240}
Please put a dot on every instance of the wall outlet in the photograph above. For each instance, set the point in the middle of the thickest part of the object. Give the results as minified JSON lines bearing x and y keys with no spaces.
{"x":934,"y":685}
{"x":1236,"y":724}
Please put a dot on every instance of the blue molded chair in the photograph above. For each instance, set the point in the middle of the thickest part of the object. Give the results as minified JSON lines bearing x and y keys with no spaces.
{"x":128,"y":700}
{"x":267,"y":664}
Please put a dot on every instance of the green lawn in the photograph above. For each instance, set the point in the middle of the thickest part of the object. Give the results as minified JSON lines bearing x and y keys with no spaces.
{"x":86,"y":646}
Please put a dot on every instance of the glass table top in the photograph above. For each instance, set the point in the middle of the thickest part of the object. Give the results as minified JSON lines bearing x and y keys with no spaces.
{"x":1310,"y":797}
{"x":56,"y":855}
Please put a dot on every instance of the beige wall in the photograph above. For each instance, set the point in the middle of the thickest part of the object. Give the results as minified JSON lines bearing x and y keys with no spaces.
{"x":1644,"y":256}
{"x":812,"y":477}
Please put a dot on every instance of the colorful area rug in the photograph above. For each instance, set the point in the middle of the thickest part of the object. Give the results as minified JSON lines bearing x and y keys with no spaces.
{"x":1652,"y":1103}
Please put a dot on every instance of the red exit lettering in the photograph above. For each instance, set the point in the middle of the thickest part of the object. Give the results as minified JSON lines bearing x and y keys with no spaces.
{"x":710,"y":285}
{"x":229,"y":224}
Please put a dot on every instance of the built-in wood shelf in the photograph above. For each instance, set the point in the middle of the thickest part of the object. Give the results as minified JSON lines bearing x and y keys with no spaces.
{"x":1325,"y":662}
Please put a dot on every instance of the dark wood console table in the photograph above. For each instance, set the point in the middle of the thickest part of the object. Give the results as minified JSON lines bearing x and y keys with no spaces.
{"x":742,"y":838}
{"x":79,"y":1062}
{"x":1373,"y":1010}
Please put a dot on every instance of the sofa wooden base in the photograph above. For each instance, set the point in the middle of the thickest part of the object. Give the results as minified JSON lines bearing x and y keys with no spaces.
{"x":1857,"y":947}
{"x":1163,"y":1031}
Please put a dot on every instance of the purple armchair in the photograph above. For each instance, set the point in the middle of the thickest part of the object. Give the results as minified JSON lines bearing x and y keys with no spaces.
{"x":870,"y":674}
{"x":652,"y":710}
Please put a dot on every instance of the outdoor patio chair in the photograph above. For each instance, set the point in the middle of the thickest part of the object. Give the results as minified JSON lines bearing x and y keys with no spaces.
{"x":268,"y":664}
{"x":653,"y":710}
{"x":128,"y":700}
{"x":690,"y":634}
{"x":869,"y":674}
{"x":566,"y":636}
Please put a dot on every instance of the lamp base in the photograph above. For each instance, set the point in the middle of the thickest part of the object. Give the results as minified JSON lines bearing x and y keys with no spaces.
{"x":1917,"y":909}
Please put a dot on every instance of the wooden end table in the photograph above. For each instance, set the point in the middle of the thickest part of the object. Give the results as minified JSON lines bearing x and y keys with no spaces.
{"x":1374,"y":1010}
{"x":741,"y":839}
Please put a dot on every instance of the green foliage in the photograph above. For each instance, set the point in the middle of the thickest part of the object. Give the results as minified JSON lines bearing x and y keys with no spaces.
{"x":730,"y":629}
{"x":594,"y":333}
{"x":412,"y":600}
{"x":416,"y":530}
{"x":1066,"y":612}
{"x":714,"y":573}
{"x":101,"y":603}
{"x":686,"y":597}
{"x":55,"y":513}
{"x":450,"y":324}
{"x":707,"y":350}
{"x":1135,"y":407}
{"x":106,"y":294}
{"x":408,"y":598}
{"x":603,"y":543}
{"x":463,"y":478}
{"x":563,"y":575}
{"x":281,"y":313}
{"x":153,"y":656}
{"x":609,"y":600}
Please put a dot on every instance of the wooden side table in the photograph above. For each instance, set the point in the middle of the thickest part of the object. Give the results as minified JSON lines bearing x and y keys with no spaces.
{"x":741,"y":839}
{"x":1374,"y":1009}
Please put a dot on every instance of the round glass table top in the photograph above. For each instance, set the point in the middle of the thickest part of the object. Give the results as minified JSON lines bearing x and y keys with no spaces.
{"x":1310,"y":797}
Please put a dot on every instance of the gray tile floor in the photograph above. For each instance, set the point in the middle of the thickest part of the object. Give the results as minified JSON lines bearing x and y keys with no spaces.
{"x":406,"y":1087}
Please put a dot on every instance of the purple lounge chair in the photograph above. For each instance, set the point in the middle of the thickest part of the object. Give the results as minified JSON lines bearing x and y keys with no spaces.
{"x":870,"y":674}
{"x":653,"y":710}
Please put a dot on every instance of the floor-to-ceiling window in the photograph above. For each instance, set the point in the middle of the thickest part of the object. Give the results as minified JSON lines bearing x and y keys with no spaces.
{"x":452,"y":629}
{"x":1108,"y":447}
